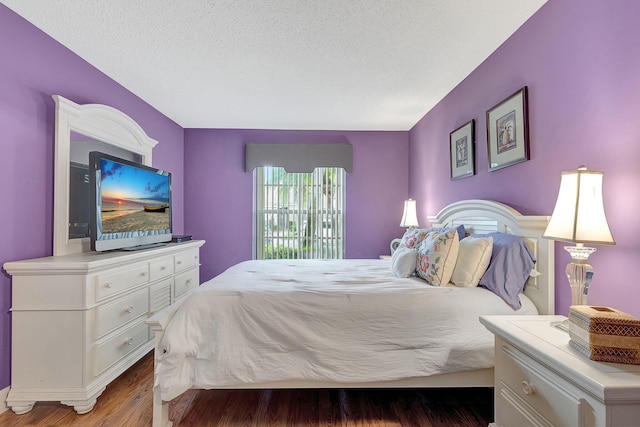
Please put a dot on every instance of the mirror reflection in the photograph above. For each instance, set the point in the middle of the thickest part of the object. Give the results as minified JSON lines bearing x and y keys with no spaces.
{"x":80,"y":147}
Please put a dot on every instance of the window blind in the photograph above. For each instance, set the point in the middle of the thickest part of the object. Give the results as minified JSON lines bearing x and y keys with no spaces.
{"x":299,"y":215}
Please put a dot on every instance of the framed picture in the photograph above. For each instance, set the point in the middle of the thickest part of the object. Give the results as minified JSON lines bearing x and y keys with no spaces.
{"x":462,"y":151}
{"x":508,"y":131}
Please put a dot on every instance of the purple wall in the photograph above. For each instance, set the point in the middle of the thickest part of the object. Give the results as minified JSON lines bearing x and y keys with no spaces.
{"x":580,"y":59}
{"x":34,"y":67}
{"x":219,"y":192}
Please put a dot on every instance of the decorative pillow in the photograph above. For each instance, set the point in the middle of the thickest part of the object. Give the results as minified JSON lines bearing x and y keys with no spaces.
{"x":509,"y":268}
{"x":403,"y":262}
{"x":413,"y":237}
{"x":474,"y":254}
{"x":437,"y":256}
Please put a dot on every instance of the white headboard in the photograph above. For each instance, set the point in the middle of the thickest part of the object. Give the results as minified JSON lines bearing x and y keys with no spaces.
{"x":485,"y":216}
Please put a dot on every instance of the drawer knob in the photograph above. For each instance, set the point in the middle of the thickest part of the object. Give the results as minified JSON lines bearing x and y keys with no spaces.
{"x":129,"y":341}
{"x":528,"y":388}
{"x":188,"y":281}
{"x":129,"y":309}
{"x":107,"y":285}
{"x":163,"y":268}
{"x":143,"y":274}
{"x":179,"y":262}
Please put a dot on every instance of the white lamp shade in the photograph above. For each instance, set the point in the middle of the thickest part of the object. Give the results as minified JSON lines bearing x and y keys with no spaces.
{"x":409,"y":216}
{"x":579,"y":212}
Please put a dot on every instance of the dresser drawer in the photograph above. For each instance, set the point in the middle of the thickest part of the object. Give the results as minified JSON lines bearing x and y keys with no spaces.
{"x":160,"y":295}
{"x":110,"y":284}
{"x":185,"y":282}
{"x":526,"y":390}
{"x":186,"y":260}
{"x":114,"y":349}
{"x":160,"y":268}
{"x":113,"y":315}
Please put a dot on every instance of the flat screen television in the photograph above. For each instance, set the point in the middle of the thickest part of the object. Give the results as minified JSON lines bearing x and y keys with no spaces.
{"x":130,"y":204}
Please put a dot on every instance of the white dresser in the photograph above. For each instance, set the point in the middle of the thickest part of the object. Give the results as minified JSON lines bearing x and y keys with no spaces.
{"x":78,"y":320}
{"x":540,"y":380}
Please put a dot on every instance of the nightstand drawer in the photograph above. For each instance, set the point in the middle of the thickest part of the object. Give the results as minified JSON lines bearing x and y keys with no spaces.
{"x":528,"y":391}
{"x":540,"y":380}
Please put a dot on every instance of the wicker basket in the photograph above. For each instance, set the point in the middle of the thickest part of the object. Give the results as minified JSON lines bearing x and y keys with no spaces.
{"x":605,"y":334}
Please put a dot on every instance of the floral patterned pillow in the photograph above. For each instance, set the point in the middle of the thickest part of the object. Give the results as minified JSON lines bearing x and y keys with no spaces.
{"x":413,"y":237}
{"x":437,"y":255}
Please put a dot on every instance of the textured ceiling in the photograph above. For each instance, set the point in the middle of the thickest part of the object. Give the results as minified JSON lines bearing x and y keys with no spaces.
{"x":284,"y":64}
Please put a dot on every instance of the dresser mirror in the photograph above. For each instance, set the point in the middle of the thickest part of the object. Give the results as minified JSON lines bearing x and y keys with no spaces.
{"x":80,"y":147}
{"x":81,"y":129}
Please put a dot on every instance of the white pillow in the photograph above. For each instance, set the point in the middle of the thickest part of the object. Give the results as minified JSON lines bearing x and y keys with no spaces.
{"x":437,"y":256}
{"x":403,"y":261}
{"x":474,"y":256}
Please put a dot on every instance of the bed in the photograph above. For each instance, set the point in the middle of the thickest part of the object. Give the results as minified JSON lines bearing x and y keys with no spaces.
{"x":346,"y":323}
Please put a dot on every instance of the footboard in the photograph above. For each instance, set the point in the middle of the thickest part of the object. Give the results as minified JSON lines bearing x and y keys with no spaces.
{"x":158,"y":324}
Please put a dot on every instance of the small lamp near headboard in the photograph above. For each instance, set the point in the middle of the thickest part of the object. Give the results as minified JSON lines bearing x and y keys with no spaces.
{"x":579,"y":218}
{"x":409,"y":216}
{"x":409,"y":220}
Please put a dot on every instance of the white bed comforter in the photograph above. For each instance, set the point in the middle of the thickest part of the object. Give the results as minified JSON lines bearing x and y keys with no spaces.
{"x":348,"y":321}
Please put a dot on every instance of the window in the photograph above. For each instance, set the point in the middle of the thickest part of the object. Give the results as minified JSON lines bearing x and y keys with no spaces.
{"x":299,"y":215}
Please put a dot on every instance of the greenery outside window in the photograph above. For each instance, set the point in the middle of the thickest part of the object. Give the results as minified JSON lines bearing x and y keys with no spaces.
{"x":299,"y":215}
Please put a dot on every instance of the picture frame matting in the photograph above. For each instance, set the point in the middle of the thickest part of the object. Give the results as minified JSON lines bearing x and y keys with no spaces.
{"x":462,"y":151}
{"x":508,"y":131}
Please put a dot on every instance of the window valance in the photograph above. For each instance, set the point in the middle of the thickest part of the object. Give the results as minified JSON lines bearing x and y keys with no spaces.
{"x":298,"y":157}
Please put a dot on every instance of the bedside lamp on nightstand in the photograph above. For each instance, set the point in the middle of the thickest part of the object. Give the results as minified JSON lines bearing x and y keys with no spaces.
{"x":409,"y":220}
{"x":409,"y":216}
{"x":579,"y":218}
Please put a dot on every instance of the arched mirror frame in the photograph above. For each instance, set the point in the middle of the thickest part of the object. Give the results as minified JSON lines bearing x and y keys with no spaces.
{"x":102,"y":123}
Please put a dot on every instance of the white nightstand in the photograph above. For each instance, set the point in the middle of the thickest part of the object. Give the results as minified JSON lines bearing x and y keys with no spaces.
{"x":385,"y":257}
{"x":541,"y":380}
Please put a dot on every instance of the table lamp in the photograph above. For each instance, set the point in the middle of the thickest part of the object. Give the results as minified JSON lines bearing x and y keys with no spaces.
{"x":579,"y":218}
{"x":409,"y":216}
{"x":409,"y":220}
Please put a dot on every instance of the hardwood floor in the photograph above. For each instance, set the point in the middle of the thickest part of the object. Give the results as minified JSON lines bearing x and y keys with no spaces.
{"x":127,"y":402}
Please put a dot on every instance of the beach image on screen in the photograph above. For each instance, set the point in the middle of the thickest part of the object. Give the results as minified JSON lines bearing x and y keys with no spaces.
{"x":133,"y":199}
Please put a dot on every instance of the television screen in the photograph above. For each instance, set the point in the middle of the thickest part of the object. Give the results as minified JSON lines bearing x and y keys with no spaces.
{"x":130,"y":204}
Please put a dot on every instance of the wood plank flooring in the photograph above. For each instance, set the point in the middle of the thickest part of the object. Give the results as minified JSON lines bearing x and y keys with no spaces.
{"x":127,"y":402}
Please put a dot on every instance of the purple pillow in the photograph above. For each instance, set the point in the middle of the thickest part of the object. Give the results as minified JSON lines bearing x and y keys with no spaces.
{"x":460,"y":229}
{"x":509,"y":268}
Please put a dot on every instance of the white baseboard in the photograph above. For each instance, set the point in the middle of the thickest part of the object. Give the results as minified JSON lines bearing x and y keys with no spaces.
{"x":3,"y":399}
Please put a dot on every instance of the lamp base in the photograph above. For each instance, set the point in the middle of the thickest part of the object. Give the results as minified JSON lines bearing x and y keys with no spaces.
{"x":579,"y":273}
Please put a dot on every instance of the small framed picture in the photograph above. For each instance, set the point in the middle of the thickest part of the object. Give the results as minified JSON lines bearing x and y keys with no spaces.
{"x":508,"y":131}
{"x":462,"y":151}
